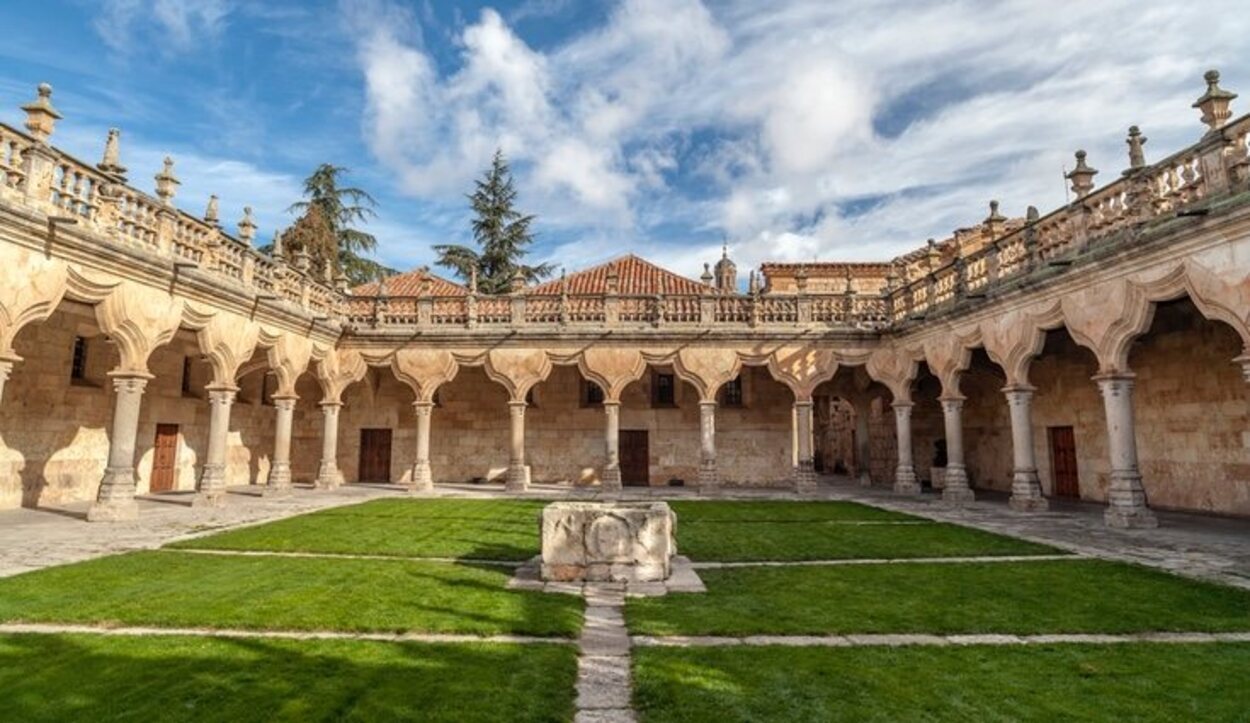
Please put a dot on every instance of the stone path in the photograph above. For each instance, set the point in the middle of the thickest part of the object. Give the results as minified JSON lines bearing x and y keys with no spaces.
{"x":31,"y":539}
{"x":141,"y":631}
{"x":603,"y":675}
{"x":895,"y":640}
{"x":343,"y":556}
{"x":887,"y":561}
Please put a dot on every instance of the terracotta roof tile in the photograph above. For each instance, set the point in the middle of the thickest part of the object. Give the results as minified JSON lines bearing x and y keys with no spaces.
{"x":635,"y":277}
{"x":409,"y":284}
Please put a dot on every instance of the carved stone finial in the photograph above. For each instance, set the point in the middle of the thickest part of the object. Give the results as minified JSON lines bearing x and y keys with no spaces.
{"x":753,"y":283}
{"x":111,"y":162}
{"x":41,"y":117}
{"x":1214,"y":103}
{"x":473,"y":280}
{"x":706,"y":278}
{"x":277,"y":247}
{"x":1135,"y":141}
{"x":211,"y":215}
{"x":995,"y":217}
{"x":247,"y":226}
{"x":1082,"y":177}
{"x":613,"y":282}
{"x":167,"y":183}
{"x":518,"y":281}
{"x":1031,"y":215}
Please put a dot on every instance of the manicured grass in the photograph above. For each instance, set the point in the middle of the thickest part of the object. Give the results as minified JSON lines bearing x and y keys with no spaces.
{"x":1138,"y":682}
{"x":229,"y":591}
{"x":1026,"y":597}
{"x":170,"y":679}
{"x":476,"y":529}
{"x":753,"y":531}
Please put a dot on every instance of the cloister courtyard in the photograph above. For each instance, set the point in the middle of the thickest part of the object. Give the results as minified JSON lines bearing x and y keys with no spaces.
{"x":372,"y":603}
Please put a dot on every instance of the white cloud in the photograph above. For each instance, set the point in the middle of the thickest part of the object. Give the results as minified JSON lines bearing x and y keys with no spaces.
{"x":168,"y":25}
{"x":770,"y":115}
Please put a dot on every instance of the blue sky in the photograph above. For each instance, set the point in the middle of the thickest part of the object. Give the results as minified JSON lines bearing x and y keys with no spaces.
{"x":791,"y":129}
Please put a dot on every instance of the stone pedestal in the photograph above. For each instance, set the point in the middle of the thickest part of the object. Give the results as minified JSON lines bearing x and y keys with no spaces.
{"x":608,"y":542}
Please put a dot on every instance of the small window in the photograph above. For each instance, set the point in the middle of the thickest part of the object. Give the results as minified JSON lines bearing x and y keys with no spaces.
{"x":663,"y":391}
{"x":78,"y":368}
{"x":592,"y":394}
{"x":731,"y":393}
{"x":186,"y":376}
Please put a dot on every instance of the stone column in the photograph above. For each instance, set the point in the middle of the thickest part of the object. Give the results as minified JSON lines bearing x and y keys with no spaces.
{"x":422,"y":480}
{"x":862,"y":448}
{"x":805,"y":471}
{"x":518,"y":473}
{"x":1126,"y":498}
{"x":280,"y":467}
{"x":611,"y":479}
{"x":708,"y":478}
{"x":6,"y":368}
{"x":212,"y":490}
{"x":116,"y":498}
{"x":957,"y":490}
{"x":328,"y":475}
{"x":905,"y":474}
{"x":1026,"y":490}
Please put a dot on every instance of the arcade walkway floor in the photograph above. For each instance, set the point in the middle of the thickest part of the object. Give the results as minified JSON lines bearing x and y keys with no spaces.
{"x":375,"y":606}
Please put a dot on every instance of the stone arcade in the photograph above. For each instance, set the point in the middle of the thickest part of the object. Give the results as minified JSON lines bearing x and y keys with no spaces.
{"x":1094,"y":352}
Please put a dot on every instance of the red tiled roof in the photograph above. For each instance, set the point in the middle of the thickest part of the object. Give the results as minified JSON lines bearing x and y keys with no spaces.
{"x":409,"y":284}
{"x":635,"y":276}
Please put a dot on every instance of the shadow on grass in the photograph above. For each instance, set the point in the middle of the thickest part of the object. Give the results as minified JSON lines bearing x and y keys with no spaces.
{"x":170,"y":678}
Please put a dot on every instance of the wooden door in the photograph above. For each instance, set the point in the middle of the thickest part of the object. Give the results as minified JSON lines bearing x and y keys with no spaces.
{"x":635,"y":458}
{"x":1063,"y":462}
{"x":375,"y":455}
{"x":164,"y":458}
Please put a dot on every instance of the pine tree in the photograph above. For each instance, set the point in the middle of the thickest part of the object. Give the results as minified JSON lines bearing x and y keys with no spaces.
{"x":339,"y":210}
{"x":502,"y":234}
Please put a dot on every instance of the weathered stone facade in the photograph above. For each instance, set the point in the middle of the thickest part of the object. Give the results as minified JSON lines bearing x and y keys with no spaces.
{"x":141,"y":344}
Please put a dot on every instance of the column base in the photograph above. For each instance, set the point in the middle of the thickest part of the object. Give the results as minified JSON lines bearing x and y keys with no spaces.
{"x":279,"y":483}
{"x":1126,"y":503}
{"x":1026,"y":493}
{"x":956,"y":490}
{"x":905,"y":482}
{"x":113,"y":511}
{"x":518,"y":479}
{"x":422,"y":480}
{"x":805,"y":477}
{"x":328,"y":478}
{"x":610,"y":480}
{"x":865,"y":480}
{"x":708,"y":478}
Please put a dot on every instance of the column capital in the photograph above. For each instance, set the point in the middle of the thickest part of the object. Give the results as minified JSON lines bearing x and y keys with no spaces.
{"x":1019,"y":389}
{"x":1114,"y":376}
{"x":907,"y":404}
{"x":1243,"y":360}
{"x":514,"y":404}
{"x":707,"y":403}
{"x":330,"y":404}
{"x":129,"y":382}
{"x":948,"y":398}
{"x":285,"y":402}
{"x":611,"y":403}
{"x":804,"y":403}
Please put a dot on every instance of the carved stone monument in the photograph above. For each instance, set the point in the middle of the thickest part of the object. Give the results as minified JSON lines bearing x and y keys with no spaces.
{"x":608,"y":541}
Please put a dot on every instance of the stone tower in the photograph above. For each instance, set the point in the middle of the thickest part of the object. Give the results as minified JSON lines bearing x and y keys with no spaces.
{"x":726,"y":273}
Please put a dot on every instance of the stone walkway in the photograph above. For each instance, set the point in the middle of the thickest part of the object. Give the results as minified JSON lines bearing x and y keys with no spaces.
{"x":894,"y":641}
{"x":31,"y":539}
{"x":604,"y":682}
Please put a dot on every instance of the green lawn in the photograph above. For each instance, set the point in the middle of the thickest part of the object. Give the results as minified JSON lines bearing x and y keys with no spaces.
{"x":753,"y":531}
{"x":1026,"y":597}
{"x":227,"y":591}
{"x":170,"y":679}
{"x":473,"y":529}
{"x":1138,"y":682}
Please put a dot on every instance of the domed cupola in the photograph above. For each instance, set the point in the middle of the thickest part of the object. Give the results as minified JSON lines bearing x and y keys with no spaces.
{"x":726,"y":273}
